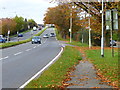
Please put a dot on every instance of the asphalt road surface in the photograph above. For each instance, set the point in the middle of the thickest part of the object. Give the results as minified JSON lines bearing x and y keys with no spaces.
{"x":25,"y":36}
{"x":21,"y":62}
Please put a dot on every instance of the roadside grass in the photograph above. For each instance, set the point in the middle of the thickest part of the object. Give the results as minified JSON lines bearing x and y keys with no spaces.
{"x":55,"y":75}
{"x":106,"y":66}
{"x":76,"y":43}
{"x":10,"y":44}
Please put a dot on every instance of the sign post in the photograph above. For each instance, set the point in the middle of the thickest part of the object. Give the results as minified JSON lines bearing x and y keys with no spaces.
{"x":17,"y":35}
{"x":8,"y":35}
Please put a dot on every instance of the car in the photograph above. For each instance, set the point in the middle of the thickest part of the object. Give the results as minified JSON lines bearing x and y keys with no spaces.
{"x":7,"y":39}
{"x":20,"y":35}
{"x":36,"y":39}
{"x":2,"y":40}
{"x":46,"y":36}
{"x":34,"y":29}
{"x":52,"y":35}
{"x":114,"y":43}
{"x":40,"y":28}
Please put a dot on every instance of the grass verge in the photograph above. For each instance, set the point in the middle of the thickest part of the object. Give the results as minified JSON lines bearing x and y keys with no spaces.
{"x":78,"y":44}
{"x":55,"y":75}
{"x":107,"y":67}
{"x":10,"y":44}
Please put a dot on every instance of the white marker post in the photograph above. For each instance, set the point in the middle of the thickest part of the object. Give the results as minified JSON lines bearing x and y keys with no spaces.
{"x":8,"y":35}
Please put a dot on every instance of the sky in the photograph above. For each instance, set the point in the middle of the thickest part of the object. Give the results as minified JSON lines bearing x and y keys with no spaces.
{"x":30,"y":9}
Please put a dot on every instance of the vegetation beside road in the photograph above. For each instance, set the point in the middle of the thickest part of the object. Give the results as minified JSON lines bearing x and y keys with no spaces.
{"x":56,"y":74}
{"x":107,"y":67}
{"x":10,"y":44}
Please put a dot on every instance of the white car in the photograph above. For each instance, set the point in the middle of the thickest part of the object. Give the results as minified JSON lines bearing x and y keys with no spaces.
{"x":46,"y":36}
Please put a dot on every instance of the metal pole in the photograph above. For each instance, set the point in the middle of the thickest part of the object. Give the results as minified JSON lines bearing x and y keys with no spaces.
{"x":89,"y":29}
{"x":71,"y":24}
{"x":102,"y":39}
{"x":112,"y":48}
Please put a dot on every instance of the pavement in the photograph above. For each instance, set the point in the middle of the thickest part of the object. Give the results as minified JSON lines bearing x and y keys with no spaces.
{"x":84,"y":75}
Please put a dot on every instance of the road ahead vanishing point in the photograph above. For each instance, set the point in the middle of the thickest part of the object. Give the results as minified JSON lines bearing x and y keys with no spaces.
{"x":21,"y":62}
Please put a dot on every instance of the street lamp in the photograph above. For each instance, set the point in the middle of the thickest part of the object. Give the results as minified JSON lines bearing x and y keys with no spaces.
{"x":70,"y":30}
{"x":89,"y":28}
{"x":102,"y":38}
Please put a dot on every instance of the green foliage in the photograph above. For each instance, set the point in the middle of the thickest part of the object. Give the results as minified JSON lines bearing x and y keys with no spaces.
{"x":78,"y":44}
{"x":56,"y":74}
{"x":32,"y":23}
{"x":20,"y":23}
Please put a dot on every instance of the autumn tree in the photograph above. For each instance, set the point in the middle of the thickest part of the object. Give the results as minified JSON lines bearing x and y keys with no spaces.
{"x":8,"y":24}
{"x":93,"y":8}
{"x":60,"y":16}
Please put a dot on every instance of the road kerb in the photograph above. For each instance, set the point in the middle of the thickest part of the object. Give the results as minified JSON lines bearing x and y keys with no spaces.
{"x":38,"y":73}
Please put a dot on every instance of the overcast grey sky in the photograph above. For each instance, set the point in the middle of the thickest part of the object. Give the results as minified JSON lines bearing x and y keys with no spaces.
{"x":30,"y":9}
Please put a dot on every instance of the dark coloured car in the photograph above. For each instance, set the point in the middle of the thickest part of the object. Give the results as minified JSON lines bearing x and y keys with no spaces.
{"x":2,"y":40}
{"x":46,"y":36}
{"x":20,"y":35}
{"x":52,"y":35}
{"x":36,"y":39}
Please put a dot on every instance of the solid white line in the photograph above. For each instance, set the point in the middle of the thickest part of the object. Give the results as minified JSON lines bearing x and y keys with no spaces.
{"x":4,"y":58}
{"x":41,"y":70}
{"x":18,"y":53}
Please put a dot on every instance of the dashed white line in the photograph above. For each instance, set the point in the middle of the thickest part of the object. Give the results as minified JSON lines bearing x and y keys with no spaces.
{"x":28,"y":49}
{"x":38,"y":45}
{"x":45,"y":41}
{"x":34,"y":47}
{"x":4,"y":58}
{"x":18,"y":53}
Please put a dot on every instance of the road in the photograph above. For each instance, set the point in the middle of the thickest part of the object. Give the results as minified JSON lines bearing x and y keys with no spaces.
{"x":21,"y":62}
{"x":25,"y":36}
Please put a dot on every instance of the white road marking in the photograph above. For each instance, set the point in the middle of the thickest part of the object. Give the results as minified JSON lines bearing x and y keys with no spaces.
{"x":34,"y":47}
{"x":4,"y":58}
{"x":38,"y":45}
{"x":45,"y":41}
{"x":18,"y":53}
{"x":42,"y":69}
{"x":28,"y":49}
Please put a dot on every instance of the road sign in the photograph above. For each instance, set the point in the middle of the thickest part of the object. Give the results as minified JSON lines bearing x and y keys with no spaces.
{"x":111,"y":19}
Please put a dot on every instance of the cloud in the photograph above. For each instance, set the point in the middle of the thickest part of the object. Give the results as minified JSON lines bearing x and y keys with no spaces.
{"x":34,"y":9}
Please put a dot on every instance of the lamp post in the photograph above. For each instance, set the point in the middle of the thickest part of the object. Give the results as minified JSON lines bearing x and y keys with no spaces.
{"x":102,"y":39}
{"x":89,"y":28}
{"x":70,"y":30}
